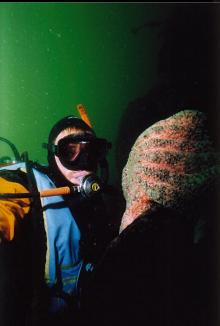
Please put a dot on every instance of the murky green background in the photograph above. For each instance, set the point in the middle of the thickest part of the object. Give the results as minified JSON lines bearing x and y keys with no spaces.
{"x":56,"y":55}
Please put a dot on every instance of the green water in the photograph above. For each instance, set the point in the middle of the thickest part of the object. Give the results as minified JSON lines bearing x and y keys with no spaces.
{"x":56,"y":55}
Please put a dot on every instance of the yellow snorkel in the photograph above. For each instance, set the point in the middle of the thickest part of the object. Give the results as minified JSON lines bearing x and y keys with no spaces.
{"x":83,"y":114}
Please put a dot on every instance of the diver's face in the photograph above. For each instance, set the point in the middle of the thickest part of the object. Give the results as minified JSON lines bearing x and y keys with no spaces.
{"x":71,"y":175}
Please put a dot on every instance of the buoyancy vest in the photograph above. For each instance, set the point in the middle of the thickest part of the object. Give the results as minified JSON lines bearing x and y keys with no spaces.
{"x":63,"y":261}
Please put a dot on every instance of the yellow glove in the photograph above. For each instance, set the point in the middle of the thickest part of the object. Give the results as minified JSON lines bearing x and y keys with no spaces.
{"x":11,"y":209}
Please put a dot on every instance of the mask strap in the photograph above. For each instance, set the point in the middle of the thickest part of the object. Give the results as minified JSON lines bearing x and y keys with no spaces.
{"x":50,"y":147}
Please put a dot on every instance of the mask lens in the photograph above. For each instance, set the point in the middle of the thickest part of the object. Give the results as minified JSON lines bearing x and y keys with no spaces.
{"x":69,"y":151}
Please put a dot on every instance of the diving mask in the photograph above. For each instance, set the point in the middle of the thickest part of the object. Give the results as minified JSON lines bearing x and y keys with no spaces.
{"x":80,"y":152}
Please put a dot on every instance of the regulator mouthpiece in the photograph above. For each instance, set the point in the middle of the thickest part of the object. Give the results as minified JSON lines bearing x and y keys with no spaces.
{"x":90,"y":186}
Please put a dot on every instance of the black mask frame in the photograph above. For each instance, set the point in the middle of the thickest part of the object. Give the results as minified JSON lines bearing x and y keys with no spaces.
{"x":80,"y":152}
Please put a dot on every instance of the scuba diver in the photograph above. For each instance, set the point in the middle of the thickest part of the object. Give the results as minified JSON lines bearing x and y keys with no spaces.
{"x":49,"y":245}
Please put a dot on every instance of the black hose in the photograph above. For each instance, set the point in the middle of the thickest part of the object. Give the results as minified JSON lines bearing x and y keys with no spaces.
{"x":13,"y":148}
